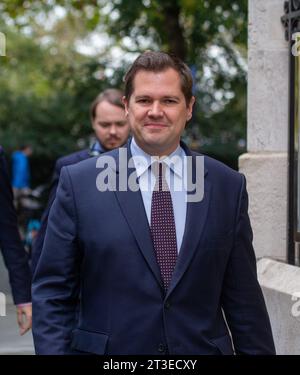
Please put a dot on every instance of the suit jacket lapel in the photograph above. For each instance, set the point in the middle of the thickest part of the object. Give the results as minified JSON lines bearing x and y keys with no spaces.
{"x":195,"y":221}
{"x":132,"y":206}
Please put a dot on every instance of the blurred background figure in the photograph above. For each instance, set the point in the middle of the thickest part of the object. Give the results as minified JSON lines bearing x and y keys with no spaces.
{"x":108,"y":121}
{"x":26,"y":200}
{"x":111,"y":130}
{"x":20,"y":181}
{"x":14,"y":255}
{"x":21,"y":173}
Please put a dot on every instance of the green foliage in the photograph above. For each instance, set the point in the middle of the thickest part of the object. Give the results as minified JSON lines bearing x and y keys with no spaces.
{"x":47,"y":85}
{"x":45,"y":98}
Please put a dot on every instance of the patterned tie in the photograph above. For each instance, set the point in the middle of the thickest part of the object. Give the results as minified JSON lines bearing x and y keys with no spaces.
{"x":163,"y":225}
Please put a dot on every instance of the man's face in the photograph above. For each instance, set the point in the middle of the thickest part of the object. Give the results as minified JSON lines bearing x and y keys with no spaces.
{"x":110,"y":125}
{"x":157,"y":111}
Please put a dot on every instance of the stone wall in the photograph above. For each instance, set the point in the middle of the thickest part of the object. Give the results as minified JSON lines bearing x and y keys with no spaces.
{"x":265,"y":164}
{"x":266,"y":169}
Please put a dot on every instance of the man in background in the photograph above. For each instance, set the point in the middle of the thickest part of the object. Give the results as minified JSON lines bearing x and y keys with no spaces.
{"x":111,"y":130}
{"x":14,"y":255}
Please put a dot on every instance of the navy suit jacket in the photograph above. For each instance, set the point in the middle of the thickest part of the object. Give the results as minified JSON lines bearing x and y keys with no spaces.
{"x":73,"y":158}
{"x":14,"y":255}
{"x":98,"y":246}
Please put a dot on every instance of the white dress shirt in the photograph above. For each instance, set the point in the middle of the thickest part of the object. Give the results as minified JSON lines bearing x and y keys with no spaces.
{"x":175,"y":178}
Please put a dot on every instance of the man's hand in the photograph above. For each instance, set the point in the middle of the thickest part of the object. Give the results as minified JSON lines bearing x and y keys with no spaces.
{"x":24,"y":318}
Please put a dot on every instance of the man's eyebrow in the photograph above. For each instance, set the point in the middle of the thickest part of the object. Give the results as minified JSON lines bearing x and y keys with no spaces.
{"x":164,"y":97}
{"x":142,"y":96}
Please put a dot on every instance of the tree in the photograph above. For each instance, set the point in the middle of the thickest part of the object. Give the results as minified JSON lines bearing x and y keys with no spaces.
{"x":46,"y":91}
{"x":209,"y":35}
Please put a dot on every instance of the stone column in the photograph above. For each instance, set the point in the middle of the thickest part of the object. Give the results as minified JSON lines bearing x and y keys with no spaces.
{"x":266,"y":162}
{"x":266,"y":168}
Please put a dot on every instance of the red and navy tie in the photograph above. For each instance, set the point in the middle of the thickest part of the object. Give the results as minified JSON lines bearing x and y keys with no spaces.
{"x":163,"y":225}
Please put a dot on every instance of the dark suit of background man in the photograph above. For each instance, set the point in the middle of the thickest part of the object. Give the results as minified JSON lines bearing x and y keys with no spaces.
{"x":14,"y":255}
{"x":111,"y":130}
{"x":155,"y":272}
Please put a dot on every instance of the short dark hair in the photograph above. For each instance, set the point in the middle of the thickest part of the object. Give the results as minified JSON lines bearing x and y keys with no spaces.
{"x":157,"y":62}
{"x":112,"y":96}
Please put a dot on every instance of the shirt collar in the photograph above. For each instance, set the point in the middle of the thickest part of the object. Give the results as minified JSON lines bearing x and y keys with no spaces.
{"x":96,"y":149}
{"x":142,"y":160}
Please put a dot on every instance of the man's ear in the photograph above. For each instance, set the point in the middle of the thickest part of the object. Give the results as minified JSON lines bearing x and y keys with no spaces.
{"x":125,"y":102}
{"x":190,"y":108}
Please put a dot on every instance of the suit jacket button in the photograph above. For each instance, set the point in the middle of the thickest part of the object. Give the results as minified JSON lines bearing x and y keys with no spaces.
{"x":161,"y":348}
{"x":167,"y":305}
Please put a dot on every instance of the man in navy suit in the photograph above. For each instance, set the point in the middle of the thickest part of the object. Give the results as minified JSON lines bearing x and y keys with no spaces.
{"x":111,"y":130}
{"x":157,"y":271}
{"x":14,"y":255}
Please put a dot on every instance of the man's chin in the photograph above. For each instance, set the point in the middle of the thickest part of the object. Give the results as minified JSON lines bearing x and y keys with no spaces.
{"x":112,"y":146}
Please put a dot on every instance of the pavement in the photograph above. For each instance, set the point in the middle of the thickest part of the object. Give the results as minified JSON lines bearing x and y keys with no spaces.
{"x":10,"y":340}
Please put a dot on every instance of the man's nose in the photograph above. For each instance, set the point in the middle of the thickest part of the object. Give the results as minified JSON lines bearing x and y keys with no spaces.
{"x":113,"y":129}
{"x":155,"y":110}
